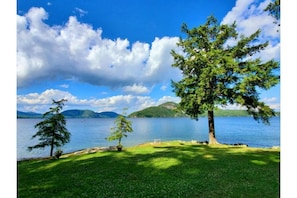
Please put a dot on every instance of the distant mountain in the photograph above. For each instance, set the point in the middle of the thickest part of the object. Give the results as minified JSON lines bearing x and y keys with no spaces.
{"x":21,"y":114}
{"x":109,"y":114}
{"x":71,"y":114}
{"x":169,"y":109}
{"x":166,"y":110}
{"x":79,"y":114}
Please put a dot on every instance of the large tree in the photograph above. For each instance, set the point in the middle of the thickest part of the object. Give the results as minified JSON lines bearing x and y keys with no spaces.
{"x":217,"y":74}
{"x":52,"y":130}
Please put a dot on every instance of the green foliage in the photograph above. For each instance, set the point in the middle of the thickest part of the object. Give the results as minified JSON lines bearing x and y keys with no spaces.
{"x":161,"y":111}
{"x":52,"y":130}
{"x":58,"y":153}
{"x":274,"y":9}
{"x":168,"y":169}
{"x":122,"y":127}
{"x":218,"y":74}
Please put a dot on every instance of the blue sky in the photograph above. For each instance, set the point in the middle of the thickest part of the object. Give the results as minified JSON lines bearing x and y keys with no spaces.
{"x":115,"y":54}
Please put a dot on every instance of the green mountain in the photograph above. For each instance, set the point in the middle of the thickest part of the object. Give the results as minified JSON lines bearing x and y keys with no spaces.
{"x":71,"y":114}
{"x":169,"y":109}
{"x":166,"y":110}
{"x":88,"y":114}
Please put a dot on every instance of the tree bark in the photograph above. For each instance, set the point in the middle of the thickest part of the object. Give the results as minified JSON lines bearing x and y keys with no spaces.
{"x":52,"y":150}
{"x":211,"y":128}
{"x":52,"y":145}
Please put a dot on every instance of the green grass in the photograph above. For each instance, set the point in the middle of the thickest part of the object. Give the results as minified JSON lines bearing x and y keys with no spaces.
{"x":169,"y":169}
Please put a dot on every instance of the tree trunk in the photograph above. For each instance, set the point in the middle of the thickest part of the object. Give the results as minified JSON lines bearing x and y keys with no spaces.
{"x":52,"y":150}
{"x":52,"y":146}
{"x":211,"y":129}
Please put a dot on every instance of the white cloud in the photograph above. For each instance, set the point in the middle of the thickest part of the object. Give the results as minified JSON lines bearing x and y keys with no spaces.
{"x":272,"y":103}
{"x":64,"y":86}
{"x":137,"y":89}
{"x":250,"y":16}
{"x":45,"y":97}
{"x":163,"y":88}
{"x":160,"y":60}
{"x":233,"y":107}
{"x":270,"y":100}
{"x":76,"y":50}
{"x":168,"y":99}
{"x":41,"y":102}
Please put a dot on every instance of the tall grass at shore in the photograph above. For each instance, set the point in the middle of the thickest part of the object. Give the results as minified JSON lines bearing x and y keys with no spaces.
{"x":168,"y":169}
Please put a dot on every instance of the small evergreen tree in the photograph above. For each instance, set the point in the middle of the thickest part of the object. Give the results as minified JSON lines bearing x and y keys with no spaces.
{"x":120,"y":130}
{"x":52,"y":130}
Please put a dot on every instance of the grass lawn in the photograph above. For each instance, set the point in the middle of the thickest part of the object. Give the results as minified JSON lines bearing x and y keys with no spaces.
{"x":170,"y":169}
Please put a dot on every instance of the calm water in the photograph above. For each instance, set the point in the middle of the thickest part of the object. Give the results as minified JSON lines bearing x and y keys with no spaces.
{"x":88,"y":133}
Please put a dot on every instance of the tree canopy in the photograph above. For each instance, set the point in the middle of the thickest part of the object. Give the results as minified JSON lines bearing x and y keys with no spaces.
{"x":218,"y":73}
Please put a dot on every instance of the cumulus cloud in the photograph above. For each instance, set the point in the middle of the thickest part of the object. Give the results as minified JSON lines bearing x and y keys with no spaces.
{"x":250,"y":16}
{"x":137,"y":89}
{"x":168,"y":99}
{"x":40,"y":103}
{"x":35,"y":102}
{"x":77,"y":50}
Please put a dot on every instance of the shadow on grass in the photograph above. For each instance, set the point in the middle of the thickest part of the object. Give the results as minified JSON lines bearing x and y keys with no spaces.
{"x":155,"y":171}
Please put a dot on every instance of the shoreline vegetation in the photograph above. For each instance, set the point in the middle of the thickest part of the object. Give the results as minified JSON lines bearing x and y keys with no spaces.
{"x":154,"y":169}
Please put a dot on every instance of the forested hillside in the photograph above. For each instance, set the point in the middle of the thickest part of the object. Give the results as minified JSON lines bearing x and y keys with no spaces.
{"x":169,"y":109}
{"x":71,"y":114}
{"x":166,"y":110}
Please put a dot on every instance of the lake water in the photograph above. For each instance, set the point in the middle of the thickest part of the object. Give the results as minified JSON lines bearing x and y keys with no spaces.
{"x":87,"y":133}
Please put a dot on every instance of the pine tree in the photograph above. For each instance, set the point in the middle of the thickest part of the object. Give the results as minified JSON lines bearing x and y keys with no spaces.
{"x":215,"y":74}
{"x":52,"y":130}
{"x":120,"y":130}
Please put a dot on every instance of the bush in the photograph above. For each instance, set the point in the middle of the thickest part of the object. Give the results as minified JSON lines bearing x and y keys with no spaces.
{"x":58,"y":153}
